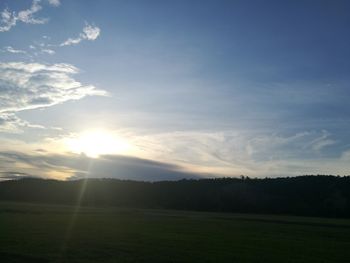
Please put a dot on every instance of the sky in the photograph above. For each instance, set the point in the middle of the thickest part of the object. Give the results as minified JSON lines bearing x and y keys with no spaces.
{"x":163,"y":90}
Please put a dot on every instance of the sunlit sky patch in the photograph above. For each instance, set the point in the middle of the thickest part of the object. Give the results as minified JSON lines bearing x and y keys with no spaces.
{"x":178,"y":88}
{"x":98,"y":142}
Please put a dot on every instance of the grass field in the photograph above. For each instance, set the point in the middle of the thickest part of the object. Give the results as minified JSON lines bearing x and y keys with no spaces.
{"x":42,"y":233}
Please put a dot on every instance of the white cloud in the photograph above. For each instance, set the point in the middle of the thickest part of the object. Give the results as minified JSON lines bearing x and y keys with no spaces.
{"x":322,"y":141}
{"x":13,"y":50}
{"x":26,"y":86}
{"x":10,"y":123}
{"x":205,"y":153}
{"x":90,"y":32}
{"x":9,"y":19}
{"x":42,"y":46}
{"x":235,"y":153}
{"x":54,"y":2}
{"x":33,"y":85}
{"x":48,"y":51}
{"x":74,"y":166}
{"x":27,"y":16}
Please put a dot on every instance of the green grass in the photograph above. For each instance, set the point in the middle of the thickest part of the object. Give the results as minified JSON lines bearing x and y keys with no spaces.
{"x":42,"y":233}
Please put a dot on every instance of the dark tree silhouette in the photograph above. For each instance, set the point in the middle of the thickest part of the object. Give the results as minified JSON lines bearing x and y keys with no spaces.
{"x":320,"y":195}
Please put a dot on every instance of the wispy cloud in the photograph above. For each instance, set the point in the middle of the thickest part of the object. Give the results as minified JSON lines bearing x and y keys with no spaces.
{"x":74,"y":166}
{"x":322,"y":141}
{"x":9,"y":18}
{"x":54,"y":2}
{"x":48,"y":51}
{"x":41,"y":46}
{"x":235,"y":153}
{"x":26,"y":86}
{"x":13,"y":50}
{"x":90,"y":32}
{"x":10,"y":123}
{"x":27,"y":16}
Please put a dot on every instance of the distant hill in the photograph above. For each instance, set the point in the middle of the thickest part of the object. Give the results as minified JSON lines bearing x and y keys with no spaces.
{"x":327,"y":196}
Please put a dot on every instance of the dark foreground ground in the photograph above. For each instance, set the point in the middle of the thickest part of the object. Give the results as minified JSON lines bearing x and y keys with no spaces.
{"x":41,"y":233}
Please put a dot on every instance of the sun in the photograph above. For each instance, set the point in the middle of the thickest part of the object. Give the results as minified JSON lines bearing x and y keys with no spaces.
{"x":94,"y":143}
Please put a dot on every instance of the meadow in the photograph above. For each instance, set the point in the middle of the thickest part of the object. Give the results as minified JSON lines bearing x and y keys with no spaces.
{"x":54,"y":233}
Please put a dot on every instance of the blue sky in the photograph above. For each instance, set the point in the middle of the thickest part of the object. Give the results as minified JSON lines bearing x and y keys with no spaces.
{"x":207,"y":88}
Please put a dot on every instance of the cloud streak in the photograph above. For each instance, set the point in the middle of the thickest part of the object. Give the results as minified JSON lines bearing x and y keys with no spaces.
{"x":90,"y":32}
{"x":48,"y":51}
{"x":25,"y":86}
{"x":54,"y":2}
{"x":9,"y":18}
{"x":232,"y":153}
{"x":10,"y":49}
{"x":10,"y":123}
{"x":74,"y":166}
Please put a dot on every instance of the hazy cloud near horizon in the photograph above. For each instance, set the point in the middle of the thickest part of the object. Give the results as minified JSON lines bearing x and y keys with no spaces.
{"x":75,"y":166}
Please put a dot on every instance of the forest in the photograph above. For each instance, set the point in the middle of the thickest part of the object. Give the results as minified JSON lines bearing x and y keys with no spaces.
{"x":321,"y":195}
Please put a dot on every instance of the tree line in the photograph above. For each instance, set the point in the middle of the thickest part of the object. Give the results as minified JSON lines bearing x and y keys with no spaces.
{"x":321,"y":195}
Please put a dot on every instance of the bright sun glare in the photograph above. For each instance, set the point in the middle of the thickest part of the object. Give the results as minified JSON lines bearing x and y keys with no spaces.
{"x":98,"y":142}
